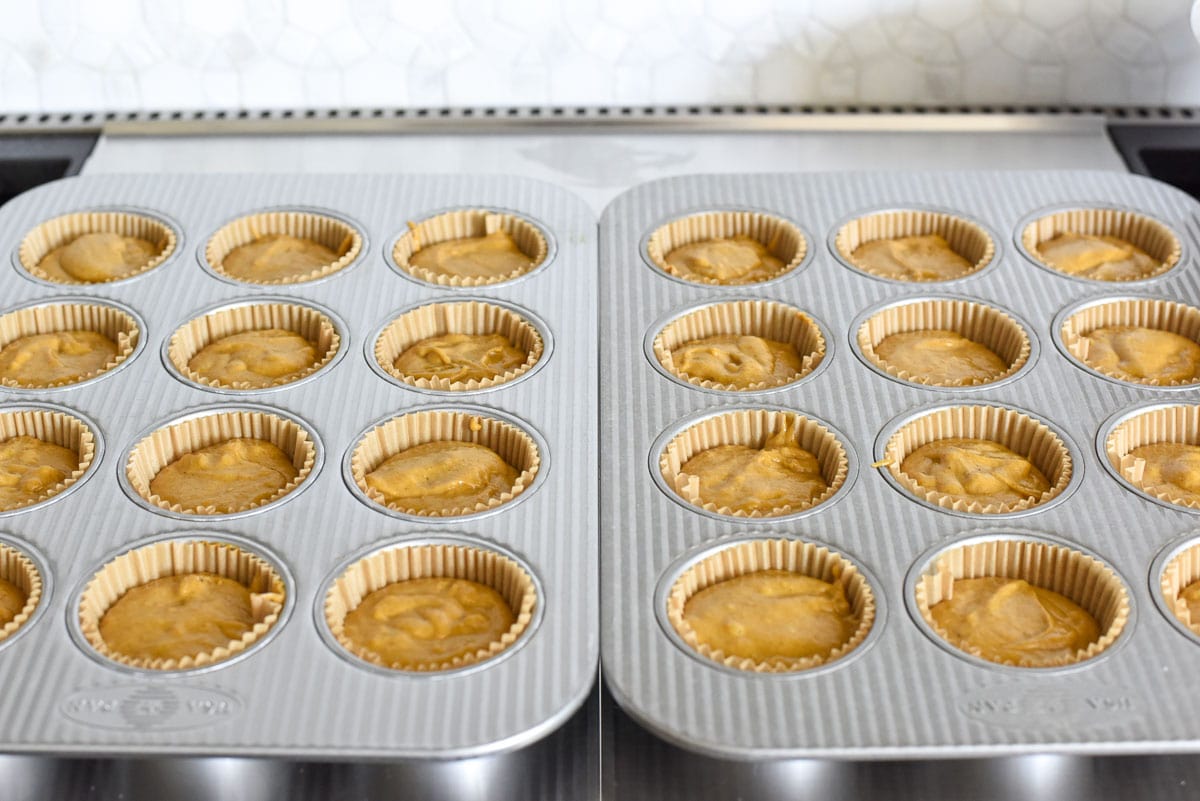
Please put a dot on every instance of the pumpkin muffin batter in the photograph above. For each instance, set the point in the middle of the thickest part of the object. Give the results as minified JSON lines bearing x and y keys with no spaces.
{"x":493,"y":256}
{"x":1191,"y":596}
{"x":29,"y":468}
{"x":736,"y":260}
{"x":772,"y":614}
{"x":12,"y":601}
{"x":1012,"y":621}
{"x":975,"y":469}
{"x":739,"y":362}
{"x":941,"y":356}
{"x":435,"y":477}
{"x":461,"y":357}
{"x":276,"y":257}
{"x":912,"y":258}
{"x":230,"y":476}
{"x":423,"y":622}
{"x":1145,"y":355}
{"x":42,"y":360}
{"x":1171,"y":466}
{"x":98,"y":258}
{"x":1101,"y":258}
{"x":258,"y":358}
{"x":174,"y":617}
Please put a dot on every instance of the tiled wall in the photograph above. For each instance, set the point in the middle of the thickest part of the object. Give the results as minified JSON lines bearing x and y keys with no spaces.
{"x":146,"y":54}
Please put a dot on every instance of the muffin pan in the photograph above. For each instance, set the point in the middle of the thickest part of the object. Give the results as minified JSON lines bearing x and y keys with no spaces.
{"x":909,"y":694}
{"x":296,"y":692}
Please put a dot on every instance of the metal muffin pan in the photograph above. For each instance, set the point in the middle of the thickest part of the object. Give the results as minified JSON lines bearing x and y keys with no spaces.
{"x":292,"y":695}
{"x":907,"y":696}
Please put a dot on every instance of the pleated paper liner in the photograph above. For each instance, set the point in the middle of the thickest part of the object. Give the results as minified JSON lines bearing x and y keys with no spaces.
{"x":464,"y":317}
{"x":1014,"y":430}
{"x":1164,"y":424}
{"x":780,"y":237}
{"x":341,"y":237}
{"x":180,"y":557}
{"x":57,"y":428}
{"x":760,"y":318}
{"x":20,"y":571}
{"x":1163,"y":315}
{"x":1137,"y":229}
{"x":169,"y":443}
{"x":400,"y":433}
{"x":431,"y":560}
{"x":752,"y":427}
{"x":978,"y":322}
{"x":47,"y":318}
{"x":964,"y":237}
{"x":1081,"y":578}
{"x":67,"y":228}
{"x":196,"y":334}
{"x":755,"y":556}
{"x":1181,"y":571}
{"x":469,"y":224}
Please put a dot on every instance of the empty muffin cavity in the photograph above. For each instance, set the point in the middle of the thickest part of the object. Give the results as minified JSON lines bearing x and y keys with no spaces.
{"x":341,"y":243}
{"x":750,"y":247}
{"x":1146,"y":233}
{"x":966,"y":239}
{"x":57,"y":344}
{"x":530,"y":242}
{"x":91,"y":232}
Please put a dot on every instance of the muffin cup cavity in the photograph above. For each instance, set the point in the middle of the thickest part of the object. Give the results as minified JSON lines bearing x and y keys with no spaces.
{"x":1145,"y":232}
{"x":469,"y":224}
{"x":1075,"y":324}
{"x":176,"y":557}
{"x":18,"y":569}
{"x":1168,"y":423}
{"x":340,"y":236}
{"x":311,"y":323}
{"x":966,"y":238}
{"x":65,"y":229}
{"x":58,"y":428}
{"x":113,"y":322}
{"x":753,"y":556}
{"x":760,"y":318}
{"x":457,"y":317}
{"x":403,"y":562}
{"x":781,"y":238}
{"x":1082,"y":578}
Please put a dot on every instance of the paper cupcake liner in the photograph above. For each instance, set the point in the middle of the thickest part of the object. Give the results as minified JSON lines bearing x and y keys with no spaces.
{"x":760,"y":318}
{"x":783,"y":239}
{"x":62,"y":230}
{"x":976,"y":321}
{"x":465,"y":317}
{"x":19,"y":570}
{"x":1085,"y":580}
{"x":403,"y":562}
{"x":56,"y":428}
{"x":1180,"y":571}
{"x":202,"y":331}
{"x":49,"y":318}
{"x":469,"y":224}
{"x":1137,"y":229}
{"x":752,"y":427}
{"x":416,"y":428}
{"x":1178,"y":424}
{"x":174,"y":440}
{"x":176,"y":558}
{"x":1164,"y":315}
{"x":1014,"y":430}
{"x":755,"y":556}
{"x":965,"y":238}
{"x":340,"y":237}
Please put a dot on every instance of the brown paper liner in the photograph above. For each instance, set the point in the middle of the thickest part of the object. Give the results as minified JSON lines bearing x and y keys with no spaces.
{"x":202,"y":331}
{"x":1146,"y":233}
{"x":977,"y":322}
{"x":1075,"y":575}
{"x":404,"y":562}
{"x":466,"y":317}
{"x":409,"y":430}
{"x":177,"y":558}
{"x":752,"y":557}
{"x":760,"y":318}
{"x":783,"y":239}
{"x":56,"y":428}
{"x":109,"y":321}
{"x":1182,"y":570}
{"x":964,"y":237}
{"x":1164,"y":315}
{"x":469,"y":224}
{"x":1014,"y":430}
{"x":172,"y":441}
{"x":752,"y":427}
{"x":1178,"y":424}
{"x":19,"y":570}
{"x":62,"y":230}
{"x":340,"y":237}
